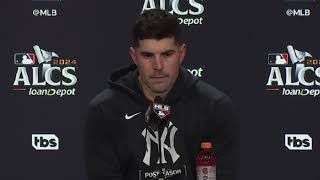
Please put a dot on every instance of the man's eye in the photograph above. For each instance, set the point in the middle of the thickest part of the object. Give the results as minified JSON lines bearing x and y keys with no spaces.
{"x":147,"y":55}
{"x":168,"y":54}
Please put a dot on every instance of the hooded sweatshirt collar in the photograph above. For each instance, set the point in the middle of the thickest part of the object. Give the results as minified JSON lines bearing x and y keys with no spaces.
{"x":126,"y":79}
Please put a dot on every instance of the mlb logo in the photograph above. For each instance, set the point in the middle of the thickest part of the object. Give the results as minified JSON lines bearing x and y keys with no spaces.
{"x":161,"y":110}
{"x":278,"y":58}
{"x":24,"y":58}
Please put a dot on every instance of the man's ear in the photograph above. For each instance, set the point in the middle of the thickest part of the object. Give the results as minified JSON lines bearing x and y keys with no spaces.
{"x":133,"y":54}
{"x":182,"y":51}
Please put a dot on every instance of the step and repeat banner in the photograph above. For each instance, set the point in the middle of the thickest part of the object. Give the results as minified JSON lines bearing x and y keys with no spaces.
{"x":56,"y":55}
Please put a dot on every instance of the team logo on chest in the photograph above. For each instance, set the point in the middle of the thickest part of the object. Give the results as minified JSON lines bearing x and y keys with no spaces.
{"x":152,"y":139}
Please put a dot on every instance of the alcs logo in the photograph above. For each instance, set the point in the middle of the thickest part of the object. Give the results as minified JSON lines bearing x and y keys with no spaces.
{"x":190,"y":14}
{"x":44,"y":73}
{"x":45,"y":142}
{"x":294,"y":73}
{"x":298,"y":142}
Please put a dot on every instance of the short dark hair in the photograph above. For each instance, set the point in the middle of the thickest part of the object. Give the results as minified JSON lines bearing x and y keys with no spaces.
{"x":156,"y":24}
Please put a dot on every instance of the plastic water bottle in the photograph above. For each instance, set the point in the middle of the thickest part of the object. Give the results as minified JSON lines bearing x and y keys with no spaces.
{"x":206,"y":162}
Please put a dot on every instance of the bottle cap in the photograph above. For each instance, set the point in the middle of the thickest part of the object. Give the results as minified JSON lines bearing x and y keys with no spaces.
{"x":206,"y":145}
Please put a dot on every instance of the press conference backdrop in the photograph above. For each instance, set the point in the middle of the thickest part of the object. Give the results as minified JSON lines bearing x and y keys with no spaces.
{"x":265,"y":55}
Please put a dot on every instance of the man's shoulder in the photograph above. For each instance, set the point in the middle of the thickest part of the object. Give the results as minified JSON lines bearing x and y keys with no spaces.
{"x":209,"y":92}
{"x":105,"y":96}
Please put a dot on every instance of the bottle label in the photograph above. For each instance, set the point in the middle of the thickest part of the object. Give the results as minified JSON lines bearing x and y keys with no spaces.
{"x":206,"y":172}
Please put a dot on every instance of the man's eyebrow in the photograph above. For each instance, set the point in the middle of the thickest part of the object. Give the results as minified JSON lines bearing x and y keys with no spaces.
{"x":151,"y":53}
{"x":146,"y":52}
{"x":169,"y":51}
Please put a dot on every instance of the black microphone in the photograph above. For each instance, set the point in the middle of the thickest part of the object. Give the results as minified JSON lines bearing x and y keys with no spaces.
{"x":156,"y":117}
{"x":157,"y":113}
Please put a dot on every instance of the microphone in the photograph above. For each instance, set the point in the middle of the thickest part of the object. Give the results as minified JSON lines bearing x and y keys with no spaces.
{"x":156,"y":117}
{"x":157,"y":113}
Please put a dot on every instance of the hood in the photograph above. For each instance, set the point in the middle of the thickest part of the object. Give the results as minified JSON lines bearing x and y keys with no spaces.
{"x":126,"y":79}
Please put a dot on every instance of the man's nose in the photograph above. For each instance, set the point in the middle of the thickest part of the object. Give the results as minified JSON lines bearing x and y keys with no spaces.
{"x":157,"y":63}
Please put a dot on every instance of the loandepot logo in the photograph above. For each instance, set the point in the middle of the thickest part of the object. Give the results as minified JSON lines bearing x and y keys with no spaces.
{"x":293,"y":73}
{"x":198,"y":72}
{"x":44,"y":73}
{"x":189,"y":12}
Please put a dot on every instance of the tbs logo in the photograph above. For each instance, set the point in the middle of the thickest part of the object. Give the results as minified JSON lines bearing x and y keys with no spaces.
{"x":298,"y":142}
{"x":45,"y":142}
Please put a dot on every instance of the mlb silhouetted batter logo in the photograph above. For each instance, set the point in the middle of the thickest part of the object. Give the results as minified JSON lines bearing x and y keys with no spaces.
{"x":44,"y":73}
{"x":152,"y":140}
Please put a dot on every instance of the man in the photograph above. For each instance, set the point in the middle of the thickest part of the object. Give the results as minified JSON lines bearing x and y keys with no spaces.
{"x":121,"y":141}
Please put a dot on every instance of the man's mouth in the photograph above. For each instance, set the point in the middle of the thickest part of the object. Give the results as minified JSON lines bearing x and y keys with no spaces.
{"x":158,"y":77}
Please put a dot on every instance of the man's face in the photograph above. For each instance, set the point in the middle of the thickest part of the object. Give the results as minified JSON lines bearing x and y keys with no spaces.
{"x":158,"y":63}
